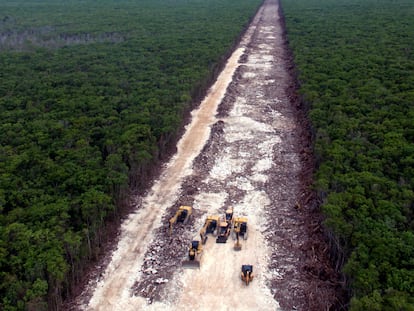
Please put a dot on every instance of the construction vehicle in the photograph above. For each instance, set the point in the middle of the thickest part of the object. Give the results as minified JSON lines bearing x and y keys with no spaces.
{"x":210,"y":226}
{"x":223,"y":231}
{"x":247,"y":273}
{"x":181,"y":215}
{"x":239,"y":230}
{"x":194,"y":255}
{"x":225,"y":226}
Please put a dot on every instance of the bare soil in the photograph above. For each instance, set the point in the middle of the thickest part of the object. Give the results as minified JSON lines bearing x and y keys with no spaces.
{"x":248,"y":146}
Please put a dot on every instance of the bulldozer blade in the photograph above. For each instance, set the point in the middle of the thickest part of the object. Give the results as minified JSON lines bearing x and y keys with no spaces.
{"x":191,"y":264}
{"x":221,"y":239}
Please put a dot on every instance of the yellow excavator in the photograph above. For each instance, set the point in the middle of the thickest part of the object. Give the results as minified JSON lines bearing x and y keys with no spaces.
{"x":225,"y":226}
{"x":181,"y":215}
{"x":247,"y":273}
{"x":239,"y":230}
{"x":210,"y":226}
{"x":194,"y":255}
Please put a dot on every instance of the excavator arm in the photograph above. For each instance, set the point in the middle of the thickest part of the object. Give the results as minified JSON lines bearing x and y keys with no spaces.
{"x":210,"y":226}
{"x":237,"y":245}
{"x":172,"y":222}
{"x":181,"y":215}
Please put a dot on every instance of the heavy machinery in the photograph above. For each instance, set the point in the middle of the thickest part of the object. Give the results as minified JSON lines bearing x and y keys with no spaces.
{"x":194,"y":255}
{"x":240,"y":227}
{"x":210,"y":226}
{"x":247,"y":273}
{"x":239,"y":230}
{"x":223,"y":231}
{"x":181,"y":215}
{"x":225,"y":226}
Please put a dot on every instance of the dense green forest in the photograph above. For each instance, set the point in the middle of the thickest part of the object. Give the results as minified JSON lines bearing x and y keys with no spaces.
{"x":91,"y":94}
{"x":355,"y":62}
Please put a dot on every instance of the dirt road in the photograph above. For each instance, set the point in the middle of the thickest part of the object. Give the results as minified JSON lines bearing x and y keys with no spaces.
{"x":242,"y":149}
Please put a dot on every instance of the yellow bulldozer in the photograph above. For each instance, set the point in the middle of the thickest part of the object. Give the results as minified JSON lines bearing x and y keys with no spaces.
{"x":247,"y":273}
{"x":239,"y":230}
{"x":194,"y":255}
{"x":225,"y":226}
{"x":210,"y":226}
{"x":181,"y":215}
{"x":223,"y":232}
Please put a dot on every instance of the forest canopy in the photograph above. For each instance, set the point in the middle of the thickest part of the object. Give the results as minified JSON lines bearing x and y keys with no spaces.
{"x":355,"y":63}
{"x":91,"y":94}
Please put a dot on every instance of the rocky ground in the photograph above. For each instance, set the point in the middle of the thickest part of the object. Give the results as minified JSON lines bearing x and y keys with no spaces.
{"x":248,"y":147}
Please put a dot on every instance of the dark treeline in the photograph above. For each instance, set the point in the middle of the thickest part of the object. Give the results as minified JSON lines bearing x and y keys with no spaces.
{"x":91,"y":95}
{"x":355,"y":63}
